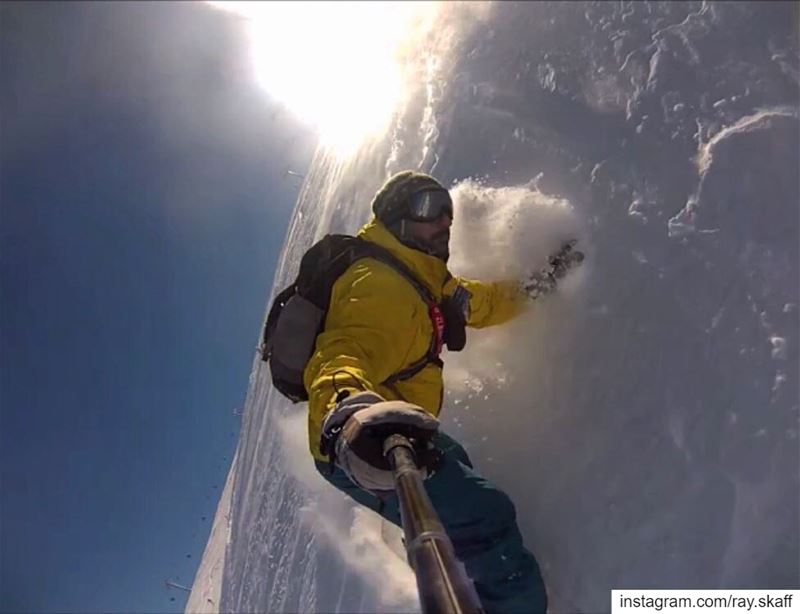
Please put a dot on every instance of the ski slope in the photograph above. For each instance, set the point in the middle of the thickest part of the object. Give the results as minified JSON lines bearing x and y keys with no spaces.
{"x":644,"y":419}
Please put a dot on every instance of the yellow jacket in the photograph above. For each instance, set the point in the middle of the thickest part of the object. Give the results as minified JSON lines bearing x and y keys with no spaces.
{"x":378,"y":325}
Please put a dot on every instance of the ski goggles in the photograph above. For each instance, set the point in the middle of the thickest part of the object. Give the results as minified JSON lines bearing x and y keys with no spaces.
{"x":430,"y":205}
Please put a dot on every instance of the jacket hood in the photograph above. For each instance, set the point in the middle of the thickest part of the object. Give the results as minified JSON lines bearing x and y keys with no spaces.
{"x":430,"y":270}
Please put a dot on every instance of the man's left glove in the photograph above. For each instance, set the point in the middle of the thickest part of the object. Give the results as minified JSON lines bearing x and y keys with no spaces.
{"x":353,"y":433}
{"x":544,"y":281}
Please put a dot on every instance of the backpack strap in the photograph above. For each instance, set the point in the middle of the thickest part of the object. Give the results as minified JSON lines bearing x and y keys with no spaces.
{"x":370,"y":250}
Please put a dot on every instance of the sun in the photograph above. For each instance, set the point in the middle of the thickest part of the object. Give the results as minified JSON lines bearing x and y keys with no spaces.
{"x":334,"y":64}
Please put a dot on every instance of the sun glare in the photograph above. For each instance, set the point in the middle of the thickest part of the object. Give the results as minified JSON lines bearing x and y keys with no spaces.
{"x":334,"y":64}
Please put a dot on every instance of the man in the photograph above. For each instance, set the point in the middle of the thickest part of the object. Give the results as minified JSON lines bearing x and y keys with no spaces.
{"x":375,"y":370}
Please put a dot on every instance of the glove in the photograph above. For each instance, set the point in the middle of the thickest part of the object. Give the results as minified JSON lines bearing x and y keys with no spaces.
{"x":353,"y":433}
{"x":544,"y":281}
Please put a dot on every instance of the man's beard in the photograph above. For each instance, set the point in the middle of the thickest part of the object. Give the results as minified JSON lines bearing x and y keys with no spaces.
{"x":438,"y":245}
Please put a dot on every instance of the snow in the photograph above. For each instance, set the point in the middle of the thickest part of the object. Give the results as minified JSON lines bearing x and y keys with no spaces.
{"x":644,"y":419}
{"x":207,"y":586}
{"x":751,"y":122}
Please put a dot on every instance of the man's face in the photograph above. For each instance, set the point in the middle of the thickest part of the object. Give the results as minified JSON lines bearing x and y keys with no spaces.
{"x":435,"y":234}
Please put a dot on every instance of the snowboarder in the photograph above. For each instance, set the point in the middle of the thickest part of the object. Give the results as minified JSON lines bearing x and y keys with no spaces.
{"x":376,"y":370}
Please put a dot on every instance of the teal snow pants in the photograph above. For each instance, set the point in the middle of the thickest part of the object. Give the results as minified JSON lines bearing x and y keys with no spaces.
{"x":481,"y":522}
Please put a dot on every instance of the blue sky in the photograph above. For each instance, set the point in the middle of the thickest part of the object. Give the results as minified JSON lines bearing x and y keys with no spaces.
{"x":143,"y":204}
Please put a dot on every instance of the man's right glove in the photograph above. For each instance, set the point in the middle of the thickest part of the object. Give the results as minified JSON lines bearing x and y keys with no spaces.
{"x":545,"y":280}
{"x":353,"y":433}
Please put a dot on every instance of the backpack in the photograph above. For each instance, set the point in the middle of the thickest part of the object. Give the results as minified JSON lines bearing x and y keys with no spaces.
{"x":297,"y":315}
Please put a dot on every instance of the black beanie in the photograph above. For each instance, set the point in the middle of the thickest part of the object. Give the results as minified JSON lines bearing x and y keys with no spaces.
{"x":391,"y":201}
